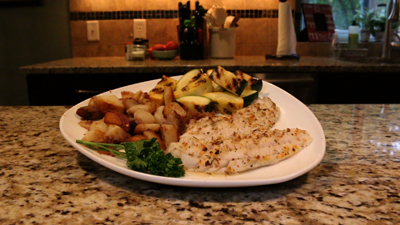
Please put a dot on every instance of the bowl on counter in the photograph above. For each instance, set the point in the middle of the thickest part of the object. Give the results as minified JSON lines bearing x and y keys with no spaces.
{"x":164,"y":54}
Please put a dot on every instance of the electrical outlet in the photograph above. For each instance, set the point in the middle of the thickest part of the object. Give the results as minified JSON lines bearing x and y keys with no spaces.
{"x":139,"y":28}
{"x":93,"y":33}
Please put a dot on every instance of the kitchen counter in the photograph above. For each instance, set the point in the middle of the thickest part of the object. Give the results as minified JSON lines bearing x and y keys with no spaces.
{"x":249,"y":64}
{"x":43,"y":180}
{"x":310,"y":79}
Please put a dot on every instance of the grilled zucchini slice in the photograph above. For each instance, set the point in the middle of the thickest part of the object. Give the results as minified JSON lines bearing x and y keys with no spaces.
{"x":228,"y":80}
{"x":252,"y":82}
{"x":157,"y":93}
{"x":224,"y":102}
{"x":194,"y":82}
{"x":249,"y":96}
{"x":194,"y":104}
{"x":217,"y":87}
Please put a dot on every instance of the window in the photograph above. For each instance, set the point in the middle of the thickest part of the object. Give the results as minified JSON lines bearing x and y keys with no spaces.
{"x":345,"y":10}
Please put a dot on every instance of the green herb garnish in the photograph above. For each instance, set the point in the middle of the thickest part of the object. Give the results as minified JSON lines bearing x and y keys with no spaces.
{"x":143,"y":156}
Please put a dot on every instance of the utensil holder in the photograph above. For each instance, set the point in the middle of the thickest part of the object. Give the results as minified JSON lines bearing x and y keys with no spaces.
{"x":222,"y":42}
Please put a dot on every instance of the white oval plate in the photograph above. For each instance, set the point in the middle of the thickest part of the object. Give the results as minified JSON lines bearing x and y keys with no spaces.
{"x":294,"y":114}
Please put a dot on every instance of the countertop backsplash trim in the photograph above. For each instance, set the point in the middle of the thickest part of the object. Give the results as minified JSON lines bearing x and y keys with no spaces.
{"x":164,"y":14}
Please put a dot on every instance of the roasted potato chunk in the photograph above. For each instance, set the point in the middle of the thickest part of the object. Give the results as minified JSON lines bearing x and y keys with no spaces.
{"x":117,"y":118}
{"x":179,"y":122}
{"x":98,"y":125}
{"x":151,"y":134}
{"x":107,"y":103}
{"x":137,"y":137}
{"x":140,"y":128}
{"x":85,"y":124}
{"x":157,"y":93}
{"x":168,"y":95}
{"x":90,"y":113}
{"x":152,"y":106}
{"x":159,"y":115}
{"x":127,"y":95}
{"x":129,"y":102}
{"x":169,"y":134}
{"x":115,"y":134}
{"x":174,"y":107}
{"x":142,"y":116}
{"x":134,"y":108}
{"x":96,"y":132}
{"x":94,"y":136}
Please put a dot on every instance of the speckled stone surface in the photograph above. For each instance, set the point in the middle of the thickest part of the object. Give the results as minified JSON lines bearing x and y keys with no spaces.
{"x":249,"y":64}
{"x":43,"y":180}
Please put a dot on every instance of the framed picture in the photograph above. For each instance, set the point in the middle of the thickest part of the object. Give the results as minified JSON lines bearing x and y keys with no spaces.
{"x":319,"y":22}
{"x":20,"y":2}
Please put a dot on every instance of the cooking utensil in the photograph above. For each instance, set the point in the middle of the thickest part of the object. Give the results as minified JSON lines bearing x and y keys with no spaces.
{"x":220,"y":15}
{"x":228,"y":21}
{"x":235,"y":20}
{"x":210,"y":20}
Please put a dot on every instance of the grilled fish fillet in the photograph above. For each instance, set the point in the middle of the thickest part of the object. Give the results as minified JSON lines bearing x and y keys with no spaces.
{"x":238,"y":142}
{"x":259,"y":116}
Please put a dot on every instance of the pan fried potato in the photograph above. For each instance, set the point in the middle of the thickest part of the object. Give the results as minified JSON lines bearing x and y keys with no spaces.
{"x":90,"y":113}
{"x":168,"y":95}
{"x":174,"y":107}
{"x":115,"y":134}
{"x":178,"y":121}
{"x":117,"y":118}
{"x":169,"y":134}
{"x":151,"y":134}
{"x":152,"y":105}
{"x":137,"y":95}
{"x":157,"y":93}
{"x":127,"y":95}
{"x":85,"y":124}
{"x":108,"y":103}
{"x":99,"y":125}
{"x":134,"y":108}
{"x":91,"y":102}
{"x":137,"y":137}
{"x":96,"y":132}
{"x":94,"y":136}
{"x":142,"y":97}
{"x":159,"y":115}
{"x":142,"y":116}
{"x":128,"y":102}
{"x":134,"y":116}
{"x":140,"y":128}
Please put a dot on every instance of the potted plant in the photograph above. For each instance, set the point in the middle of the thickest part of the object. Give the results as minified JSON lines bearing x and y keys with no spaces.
{"x":395,"y":31}
{"x":366,"y":20}
{"x":380,"y":26}
{"x":379,"y":23}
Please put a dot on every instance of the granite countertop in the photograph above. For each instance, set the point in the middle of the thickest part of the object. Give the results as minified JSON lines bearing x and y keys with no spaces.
{"x":249,"y":64}
{"x":43,"y":180}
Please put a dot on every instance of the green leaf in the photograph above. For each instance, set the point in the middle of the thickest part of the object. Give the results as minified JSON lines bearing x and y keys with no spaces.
{"x":143,"y":156}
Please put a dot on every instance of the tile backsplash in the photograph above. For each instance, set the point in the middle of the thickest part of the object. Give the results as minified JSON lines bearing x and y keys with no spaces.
{"x":256,"y":34}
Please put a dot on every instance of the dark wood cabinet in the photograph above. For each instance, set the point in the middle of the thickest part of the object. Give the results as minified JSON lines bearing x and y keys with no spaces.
{"x":310,"y":88}
{"x":350,"y":88}
{"x":70,"y":89}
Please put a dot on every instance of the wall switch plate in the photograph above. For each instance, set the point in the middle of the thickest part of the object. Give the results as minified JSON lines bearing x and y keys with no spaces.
{"x":139,"y":28}
{"x":93,"y":33}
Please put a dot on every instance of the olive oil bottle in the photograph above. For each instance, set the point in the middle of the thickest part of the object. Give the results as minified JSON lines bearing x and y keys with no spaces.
{"x":354,"y":30}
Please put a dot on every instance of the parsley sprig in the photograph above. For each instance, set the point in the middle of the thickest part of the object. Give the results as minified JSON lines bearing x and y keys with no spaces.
{"x":143,"y":156}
